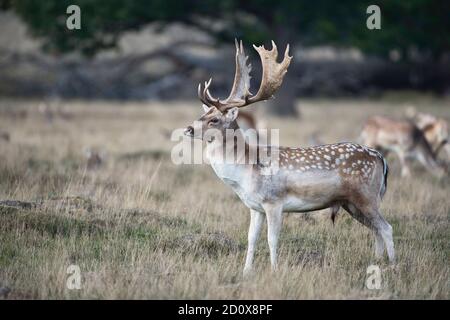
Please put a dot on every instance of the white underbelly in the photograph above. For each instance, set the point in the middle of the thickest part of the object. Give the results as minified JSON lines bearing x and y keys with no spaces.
{"x":294,"y":204}
{"x":302,"y":200}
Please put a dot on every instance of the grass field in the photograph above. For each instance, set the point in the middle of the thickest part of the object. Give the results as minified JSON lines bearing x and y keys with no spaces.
{"x":140,"y":227}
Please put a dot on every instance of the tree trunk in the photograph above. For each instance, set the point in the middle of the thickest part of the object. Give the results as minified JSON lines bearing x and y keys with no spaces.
{"x":283,"y":104}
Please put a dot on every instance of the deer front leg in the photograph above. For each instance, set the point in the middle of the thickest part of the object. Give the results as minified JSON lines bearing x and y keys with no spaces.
{"x":274,"y":216}
{"x":403,"y":164}
{"x":256,"y":219}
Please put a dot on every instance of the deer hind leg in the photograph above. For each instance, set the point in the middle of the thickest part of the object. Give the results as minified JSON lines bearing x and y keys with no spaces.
{"x":429,"y":161}
{"x":406,"y":172}
{"x":274,"y":215}
{"x":372,"y":219}
{"x":256,"y":220}
{"x":360,"y":217}
{"x":385,"y":229}
{"x":379,"y":245}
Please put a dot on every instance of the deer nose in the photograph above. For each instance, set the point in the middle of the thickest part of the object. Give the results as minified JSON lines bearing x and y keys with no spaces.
{"x":189,"y":131}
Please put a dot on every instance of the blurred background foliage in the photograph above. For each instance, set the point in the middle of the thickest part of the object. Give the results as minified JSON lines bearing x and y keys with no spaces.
{"x":420,"y":25}
{"x":410,"y":52}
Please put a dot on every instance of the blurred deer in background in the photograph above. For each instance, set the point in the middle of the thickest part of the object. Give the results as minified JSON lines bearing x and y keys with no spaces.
{"x":5,"y":136}
{"x":51,"y":109}
{"x":435,"y":130}
{"x":299,"y":179}
{"x":249,"y":121}
{"x":94,"y":158}
{"x":402,"y":137}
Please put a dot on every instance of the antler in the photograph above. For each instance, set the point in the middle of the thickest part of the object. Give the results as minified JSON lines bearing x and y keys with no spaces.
{"x":240,"y":96}
{"x":241,"y":84}
{"x":273,"y":72}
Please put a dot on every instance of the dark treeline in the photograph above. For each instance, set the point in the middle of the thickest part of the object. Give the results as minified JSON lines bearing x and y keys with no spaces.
{"x":410,"y":51}
{"x":418,"y":27}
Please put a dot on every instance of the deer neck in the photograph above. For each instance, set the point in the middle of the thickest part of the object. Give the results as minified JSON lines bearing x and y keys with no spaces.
{"x":229,"y":157}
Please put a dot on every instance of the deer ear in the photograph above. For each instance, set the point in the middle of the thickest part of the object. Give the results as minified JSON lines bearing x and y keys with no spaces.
{"x":231,"y":114}
{"x":205,"y":107}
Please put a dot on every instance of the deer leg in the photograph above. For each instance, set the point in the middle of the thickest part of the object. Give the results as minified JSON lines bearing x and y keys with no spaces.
{"x":379,"y":245}
{"x":385,"y":230}
{"x":428,"y":160}
{"x":404,"y":164}
{"x":256,"y":219}
{"x":274,"y":215}
{"x":372,"y":219}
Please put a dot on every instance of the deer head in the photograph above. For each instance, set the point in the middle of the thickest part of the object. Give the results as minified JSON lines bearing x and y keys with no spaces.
{"x":221,"y":114}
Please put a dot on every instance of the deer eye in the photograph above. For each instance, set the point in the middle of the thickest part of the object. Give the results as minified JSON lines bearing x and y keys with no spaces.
{"x":214,"y":121}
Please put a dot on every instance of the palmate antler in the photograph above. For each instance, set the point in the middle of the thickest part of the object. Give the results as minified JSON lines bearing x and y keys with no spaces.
{"x":240,"y":96}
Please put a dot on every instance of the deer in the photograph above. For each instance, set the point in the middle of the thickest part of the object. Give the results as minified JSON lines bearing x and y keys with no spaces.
{"x":302,"y":180}
{"x":435,"y":130}
{"x":94,"y":158}
{"x":402,"y":137}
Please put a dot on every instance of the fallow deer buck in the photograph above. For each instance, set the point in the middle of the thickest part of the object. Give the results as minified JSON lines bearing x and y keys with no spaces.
{"x":402,"y":137}
{"x":338,"y":175}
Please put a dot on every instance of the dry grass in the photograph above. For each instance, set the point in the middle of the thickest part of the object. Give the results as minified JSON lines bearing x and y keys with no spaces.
{"x":141,"y":227}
